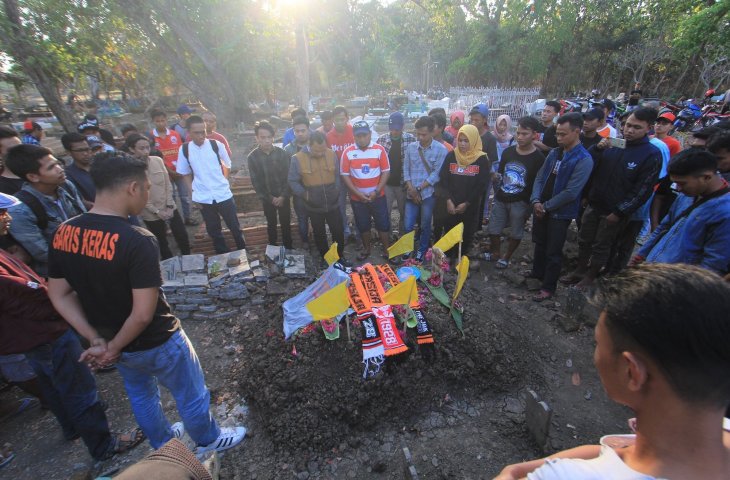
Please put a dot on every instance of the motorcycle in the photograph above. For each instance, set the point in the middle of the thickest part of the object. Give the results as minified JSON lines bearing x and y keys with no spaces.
{"x":712,"y":114}
{"x":688,"y":117}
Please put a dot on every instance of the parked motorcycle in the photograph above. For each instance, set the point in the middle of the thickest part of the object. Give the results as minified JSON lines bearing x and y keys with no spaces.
{"x":688,"y":117}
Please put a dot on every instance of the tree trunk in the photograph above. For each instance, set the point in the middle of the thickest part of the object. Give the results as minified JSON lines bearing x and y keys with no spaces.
{"x":204,"y":87}
{"x":24,"y":52}
{"x":302,"y":63}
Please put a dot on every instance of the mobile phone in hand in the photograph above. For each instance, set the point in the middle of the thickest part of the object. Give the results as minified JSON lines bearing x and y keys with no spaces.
{"x":617,"y":142}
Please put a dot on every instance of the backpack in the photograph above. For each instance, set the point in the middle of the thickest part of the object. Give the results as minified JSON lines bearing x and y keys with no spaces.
{"x":214,"y":146}
{"x":35,"y":205}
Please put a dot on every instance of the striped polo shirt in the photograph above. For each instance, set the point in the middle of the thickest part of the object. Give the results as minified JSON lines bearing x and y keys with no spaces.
{"x":364,"y":167}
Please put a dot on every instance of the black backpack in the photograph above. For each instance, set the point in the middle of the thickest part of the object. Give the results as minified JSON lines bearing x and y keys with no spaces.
{"x":213,"y":145}
{"x":36,"y":206}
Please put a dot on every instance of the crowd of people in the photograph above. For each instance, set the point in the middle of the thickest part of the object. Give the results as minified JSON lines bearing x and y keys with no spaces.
{"x":80,"y":277}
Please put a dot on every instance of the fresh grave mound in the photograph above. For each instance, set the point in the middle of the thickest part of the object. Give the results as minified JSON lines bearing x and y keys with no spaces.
{"x":317,"y":398}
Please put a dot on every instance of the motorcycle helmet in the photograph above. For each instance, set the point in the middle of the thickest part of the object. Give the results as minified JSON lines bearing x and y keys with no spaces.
{"x":710,"y":93}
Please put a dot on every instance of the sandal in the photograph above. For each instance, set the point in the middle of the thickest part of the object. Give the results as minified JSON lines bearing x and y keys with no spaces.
{"x":571,"y":279}
{"x":24,"y":404}
{"x":542,"y":295}
{"x":6,"y":455}
{"x":120,"y":444}
{"x":502,"y":264}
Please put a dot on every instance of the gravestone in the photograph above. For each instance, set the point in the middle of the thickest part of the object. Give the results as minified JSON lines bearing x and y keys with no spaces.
{"x":193,"y":263}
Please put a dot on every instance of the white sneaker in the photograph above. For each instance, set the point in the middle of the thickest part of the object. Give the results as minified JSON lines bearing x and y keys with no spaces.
{"x":228,"y":438}
{"x":178,"y":430}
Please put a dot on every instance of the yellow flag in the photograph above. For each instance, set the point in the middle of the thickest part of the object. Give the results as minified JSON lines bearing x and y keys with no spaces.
{"x":403,"y":245}
{"x":332,"y":256}
{"x":463,"y":270}
{"x":330,"y":304}
{"x":403,"y":293}
{"x":454,"y":236}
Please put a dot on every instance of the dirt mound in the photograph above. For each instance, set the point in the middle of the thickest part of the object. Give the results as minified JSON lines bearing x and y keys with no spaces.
{"x":317,"y":399}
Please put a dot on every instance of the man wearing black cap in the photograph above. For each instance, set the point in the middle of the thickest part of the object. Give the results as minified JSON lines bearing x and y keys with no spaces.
{"x":591,"y":120}
{"x":32,"y":133}
{"x":183,"y":112}
{"x":395,"y":143}
{"x":89,"y":128}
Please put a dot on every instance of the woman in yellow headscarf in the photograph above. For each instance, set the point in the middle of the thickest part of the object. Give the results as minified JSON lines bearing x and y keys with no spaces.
{"x":463,"y":178}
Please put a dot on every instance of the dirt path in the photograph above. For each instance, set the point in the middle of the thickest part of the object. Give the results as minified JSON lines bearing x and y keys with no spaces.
{"x":461,"y":414}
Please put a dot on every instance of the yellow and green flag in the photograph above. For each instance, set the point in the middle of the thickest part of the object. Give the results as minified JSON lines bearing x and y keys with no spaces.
{"x":332,"y":256}
{"x":462,"y":270}
{"x":330,"y":304}
{"x":402,"y":294}
{"x":454,"y":236}
{"x":403,"y":245}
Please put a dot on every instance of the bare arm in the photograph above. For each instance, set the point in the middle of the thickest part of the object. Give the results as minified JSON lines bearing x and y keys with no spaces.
{"x":520,"y":470}
{"x":66,"y":302}
{"x":353,"y":191}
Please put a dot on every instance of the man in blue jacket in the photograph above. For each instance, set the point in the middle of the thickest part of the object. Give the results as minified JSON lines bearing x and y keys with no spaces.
{"x":697,"y":228}
{"x":556,"y":199}
{"x":622,"y":181}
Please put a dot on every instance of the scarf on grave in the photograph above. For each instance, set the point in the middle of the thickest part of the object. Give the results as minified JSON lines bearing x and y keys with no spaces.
{"x":424,"y":333}
{"x":392,"y":341}
{"x":373,"y":353}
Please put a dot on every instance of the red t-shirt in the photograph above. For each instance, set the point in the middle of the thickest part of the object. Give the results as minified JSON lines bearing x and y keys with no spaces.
{"x":222,"y":139}
{"x":168,"y":146}
{"x":340,"y":141}
{"x":673,"y":144}
{"x":365,"y":167}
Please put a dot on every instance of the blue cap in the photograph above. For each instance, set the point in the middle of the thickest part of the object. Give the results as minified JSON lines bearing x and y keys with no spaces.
{"x":7,"y":201}
{"x":184,"y":109}
{"x":361,"y":126}
{"x":396,"y":121}
{"x":480,"y":108}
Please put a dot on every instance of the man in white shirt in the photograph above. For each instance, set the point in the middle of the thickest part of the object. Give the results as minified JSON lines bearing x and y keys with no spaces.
{"x":661,"y":350}
{"x":205,"y":164}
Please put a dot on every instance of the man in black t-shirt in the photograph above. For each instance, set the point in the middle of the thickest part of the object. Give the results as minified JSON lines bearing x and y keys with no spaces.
{"x":105,"y":280}
{"x":547,"y":140}
{"x":513,"y":186}
{"x":591,"y":121}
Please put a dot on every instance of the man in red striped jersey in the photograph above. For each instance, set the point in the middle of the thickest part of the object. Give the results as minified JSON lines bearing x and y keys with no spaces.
{"x":365,"y":169}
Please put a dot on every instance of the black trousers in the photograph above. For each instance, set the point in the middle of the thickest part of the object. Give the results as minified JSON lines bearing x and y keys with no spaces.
{"x":284,"y":214}
{"x":159,"y":230}
{"x":212,"y":213}
{"x":623,"y":247}
{"x":333,"y":218}
{"x":549,"y":236}
{"x":469,"y":217}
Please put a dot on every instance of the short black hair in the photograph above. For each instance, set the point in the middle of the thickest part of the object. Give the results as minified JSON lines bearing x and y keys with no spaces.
{"x":676,"y":315}
{"x":192,"y":120}
{"x":157,"y":113}
{"x":300,"y":120}
{"x":107,"y":137}
{"x":529,"y":122}
{"x":439,"y":118}
{"x":317,"y":137}
{"x":575,"y":120}
{"x":555,"y":104}
{"x":609,"y":104}
{"x":719,"y":141}
{"x":435,"y":110}
{"x":707,"y":132}
{"x":112,"y":169}
{"x":425,"y":121}
{"x":128,"y":127}
{"x":132,"y":140}
{"x":326,"y":115}
{"x":692,"y":161}
{"x":339,"y":109}
{"x":24,"y":159}
{"x":298,"y":112}
{"x":8,"y":132}
{"x":265,"y":125}
{"x":68,"y":138}
{"x":645,"y":114}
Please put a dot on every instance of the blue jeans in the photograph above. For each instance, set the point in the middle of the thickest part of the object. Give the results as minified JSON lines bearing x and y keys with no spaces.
{"x":212,"y":214}
{"x":175,"y":365}
{"x":424,"y":213}
{"x":184,"y":193}
{"x":70,"y":391}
